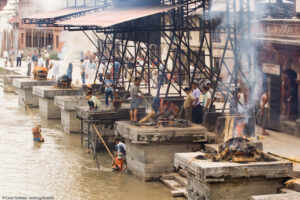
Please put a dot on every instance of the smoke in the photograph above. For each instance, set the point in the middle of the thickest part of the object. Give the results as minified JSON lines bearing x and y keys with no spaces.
{"x":247,"y":52}
{"x":76,"y":44}
{"x":46,"y":5}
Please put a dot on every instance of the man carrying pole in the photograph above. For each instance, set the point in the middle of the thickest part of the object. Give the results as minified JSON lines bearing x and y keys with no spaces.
{"x":36,"y":131}
{"x":37,"y":134}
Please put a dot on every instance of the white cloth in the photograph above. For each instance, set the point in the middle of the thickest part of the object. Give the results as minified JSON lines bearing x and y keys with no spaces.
{"x":101,"y":68}
{"x":47,"y":55}
{"x":41,"y":62}
{"x":96,"y":101}
{"x":241,"y":101}
{"x":19,"y":55}
{"x":86,"y":63}
{"x":196,"y":94}
{"x":207,"y":97}
{"x":192,"y":68}
{"x":55,"y":70}
{"x":28,"y":60}
{"x":5,"y":54}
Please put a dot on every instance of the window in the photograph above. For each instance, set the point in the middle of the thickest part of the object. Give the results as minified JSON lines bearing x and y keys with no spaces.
{"x":28,"y":39}
{"x":57,"y":41}
{"x":216,"y":36}
{"x":22,"y":38}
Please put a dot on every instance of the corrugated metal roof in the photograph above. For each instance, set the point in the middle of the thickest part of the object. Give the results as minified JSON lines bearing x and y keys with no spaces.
{"x":58,"y":13}
{"x":116,"y":16}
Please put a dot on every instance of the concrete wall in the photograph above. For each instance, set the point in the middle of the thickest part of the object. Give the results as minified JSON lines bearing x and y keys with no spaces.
{"x":150,"y":161}
{"x":231,"y":189}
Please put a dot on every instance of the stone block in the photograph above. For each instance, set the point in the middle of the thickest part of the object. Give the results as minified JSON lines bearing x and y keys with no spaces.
{"x":150,"y":161}
{"x":293,"y":196}
{"x":28,"y":83}
{"x":69,"y":102}
{"x":151,"y":135}
{"x":8,"y":82}
{"x":171,"y":184}
{"x":211,"y":180}
{"x":178,"y":192}
{"x":49,"y":92}
{"x":31,"y":100}
{"x":48,"y":110}
{"x":70,"y":123}
{"x":232,"y":189}
{"x":107,"y":113}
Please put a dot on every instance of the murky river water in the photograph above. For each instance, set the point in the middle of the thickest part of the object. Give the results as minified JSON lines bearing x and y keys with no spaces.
{"x":60,"y":167}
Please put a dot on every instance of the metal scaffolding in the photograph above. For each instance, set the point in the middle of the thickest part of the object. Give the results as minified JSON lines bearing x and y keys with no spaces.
{"x":164,"y":43}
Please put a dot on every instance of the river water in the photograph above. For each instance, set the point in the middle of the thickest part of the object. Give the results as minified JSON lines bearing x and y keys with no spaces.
{"x":60,"y":168}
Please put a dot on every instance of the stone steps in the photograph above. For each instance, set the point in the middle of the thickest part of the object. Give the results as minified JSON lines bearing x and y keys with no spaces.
{"x":288,"y":127}
{"x":177,"y":182}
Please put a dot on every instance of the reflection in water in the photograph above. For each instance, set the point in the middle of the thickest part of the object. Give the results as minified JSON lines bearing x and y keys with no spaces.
{"x":60,"y":167}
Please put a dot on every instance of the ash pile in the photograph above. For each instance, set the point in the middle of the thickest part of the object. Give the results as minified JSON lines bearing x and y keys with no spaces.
{"x":164,"y":121}
{"x":238,"y":150}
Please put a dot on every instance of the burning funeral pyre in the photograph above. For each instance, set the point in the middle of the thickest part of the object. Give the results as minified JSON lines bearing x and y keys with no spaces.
{"x":164,"y":115}
{"x":238,"y":150}
{"x":164,"y":121}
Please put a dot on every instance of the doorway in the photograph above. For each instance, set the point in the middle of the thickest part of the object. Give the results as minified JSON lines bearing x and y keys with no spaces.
{"x":290,"y":95}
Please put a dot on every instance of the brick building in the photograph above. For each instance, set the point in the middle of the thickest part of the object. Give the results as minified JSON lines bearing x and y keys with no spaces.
{"x":278,"y":45}
{"x":2,"y":4}
{"x":29,"y":37}
{"x":34,"y":37}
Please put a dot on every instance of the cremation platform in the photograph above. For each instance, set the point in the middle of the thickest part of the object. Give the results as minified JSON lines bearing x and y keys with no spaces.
{"x":231,"y":181}
{"x":46,"y":96}
{"x":291,"y":196}
{"x":150,"y":150}
{"x":69,"y":121}
{"x":8,"y":82}
{"x":24,"y":89}
{"x":104,"y":118}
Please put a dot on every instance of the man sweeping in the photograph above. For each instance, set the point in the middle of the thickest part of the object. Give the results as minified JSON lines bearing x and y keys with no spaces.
{"x":37,"y":134}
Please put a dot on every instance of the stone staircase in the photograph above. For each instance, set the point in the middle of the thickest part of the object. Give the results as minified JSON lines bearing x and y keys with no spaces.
{"x":290,"y":127}
{"x":177,"y":182}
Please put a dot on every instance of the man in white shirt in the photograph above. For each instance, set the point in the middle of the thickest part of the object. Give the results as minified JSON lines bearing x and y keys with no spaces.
{"x":206,"y":100}
{"x":29,"y":61}
{"x":197,"y":109}
{"x":101,"y":71}
{"x":19,"y":58}
{"x":47,"y":57}
{"x":5,"y":55}
{"x":41,"y":61}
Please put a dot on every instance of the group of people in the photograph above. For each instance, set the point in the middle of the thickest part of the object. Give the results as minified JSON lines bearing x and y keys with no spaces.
{"x":194,"y":109}
{"x":94,"y":102}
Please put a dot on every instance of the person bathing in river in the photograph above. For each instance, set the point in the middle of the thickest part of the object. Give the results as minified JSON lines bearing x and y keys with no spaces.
{"x":93,"y":101}
{"x":120,"y":158}
{"x":37,"y":136}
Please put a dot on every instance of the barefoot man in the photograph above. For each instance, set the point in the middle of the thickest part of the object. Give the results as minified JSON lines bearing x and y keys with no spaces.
{"x":37,"y":136}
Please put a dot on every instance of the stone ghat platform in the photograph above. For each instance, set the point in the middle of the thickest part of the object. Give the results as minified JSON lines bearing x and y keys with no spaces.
{"x":292,"y":196}
{"x":150,"y":151}
{"x":231,"y":181}
{"x":107,"y":113}
{"x":46,"y":96}
{"x":8,"y":82}
{"x":67,"y":104}
{"x":24,"y":89}
{"x":104,"y":118}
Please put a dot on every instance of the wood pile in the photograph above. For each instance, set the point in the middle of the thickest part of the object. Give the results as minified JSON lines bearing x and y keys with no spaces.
{"x":238,"y":150}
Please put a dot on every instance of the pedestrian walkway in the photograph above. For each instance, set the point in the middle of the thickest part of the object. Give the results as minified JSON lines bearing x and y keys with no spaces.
{"x":281,"y":144}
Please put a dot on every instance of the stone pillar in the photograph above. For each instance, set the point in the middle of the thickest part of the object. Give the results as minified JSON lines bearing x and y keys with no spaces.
{"x":297,"y":131}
